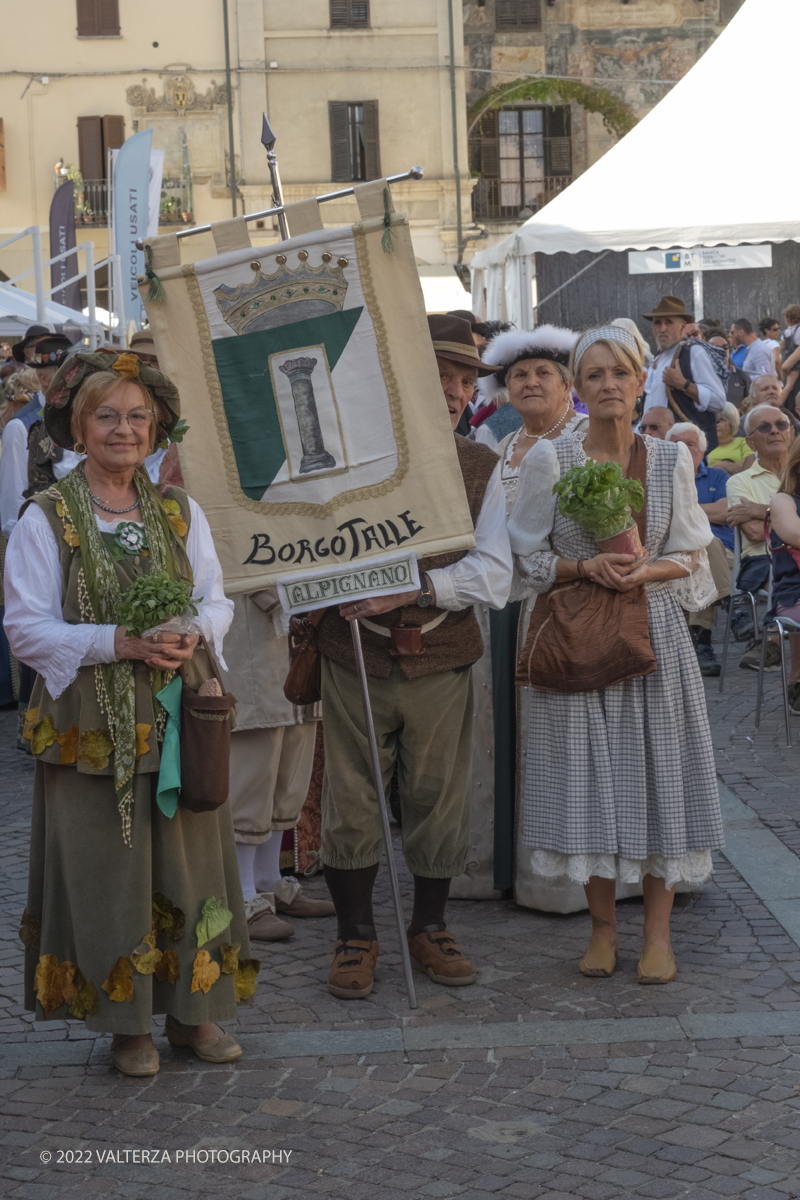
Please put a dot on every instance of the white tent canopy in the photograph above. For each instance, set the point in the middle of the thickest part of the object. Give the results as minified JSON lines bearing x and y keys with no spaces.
{"x":667,"y":182}
{"x":18,"y":312}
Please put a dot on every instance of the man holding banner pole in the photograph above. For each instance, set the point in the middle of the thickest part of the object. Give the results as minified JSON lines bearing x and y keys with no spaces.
{"x":418,"y":648}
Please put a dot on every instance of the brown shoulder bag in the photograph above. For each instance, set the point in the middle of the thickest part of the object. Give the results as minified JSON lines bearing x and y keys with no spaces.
{"x":303,"y":684}
{"x":584,"y":637}
{"x":207,"y":718}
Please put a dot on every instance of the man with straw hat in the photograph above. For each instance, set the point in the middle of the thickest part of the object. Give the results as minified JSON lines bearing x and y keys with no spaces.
{"x":419,"y":648}
{"x":682,"y":376}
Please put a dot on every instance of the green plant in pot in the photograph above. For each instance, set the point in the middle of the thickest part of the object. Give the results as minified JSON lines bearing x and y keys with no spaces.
{"x":599,"y":498}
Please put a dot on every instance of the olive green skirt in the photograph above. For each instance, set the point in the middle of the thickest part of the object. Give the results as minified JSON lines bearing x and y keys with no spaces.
{"x":91,"y":907}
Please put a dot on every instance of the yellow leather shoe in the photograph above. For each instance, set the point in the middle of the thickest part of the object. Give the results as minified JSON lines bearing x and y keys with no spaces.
{"x":138,"y":1062}
{"x":599,"y":960}
{"x":656,"y":965}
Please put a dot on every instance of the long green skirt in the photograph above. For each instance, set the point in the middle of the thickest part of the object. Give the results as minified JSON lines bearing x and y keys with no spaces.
{"x":90,"y":906}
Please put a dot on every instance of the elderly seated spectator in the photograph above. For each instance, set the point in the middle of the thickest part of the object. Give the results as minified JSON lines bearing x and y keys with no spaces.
{"x":711,"y":484}
{"x":657,"y":422}
{"x":732,"y":453}
{"x":770,"y":434}
{"x":765,"y":389}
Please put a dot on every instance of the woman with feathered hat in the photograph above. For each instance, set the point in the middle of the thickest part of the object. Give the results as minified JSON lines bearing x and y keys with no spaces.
{"x":134,"y":902}
{"x":535,"y":380}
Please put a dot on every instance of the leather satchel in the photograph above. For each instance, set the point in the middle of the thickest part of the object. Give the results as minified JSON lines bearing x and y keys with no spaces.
{"x":303,"y":684}
{"x":207,"y":719}
{"x":584,"y":637}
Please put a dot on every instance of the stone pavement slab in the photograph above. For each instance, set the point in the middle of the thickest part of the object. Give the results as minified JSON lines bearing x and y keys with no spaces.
{"x":534,"y":1083}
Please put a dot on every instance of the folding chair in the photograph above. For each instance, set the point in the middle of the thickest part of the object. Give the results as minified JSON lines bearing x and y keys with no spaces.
{"x":753,"y":597}
{"x":783,"y":626}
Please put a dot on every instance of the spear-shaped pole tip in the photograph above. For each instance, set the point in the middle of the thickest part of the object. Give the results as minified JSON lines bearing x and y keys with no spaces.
{"x":268,"y":138}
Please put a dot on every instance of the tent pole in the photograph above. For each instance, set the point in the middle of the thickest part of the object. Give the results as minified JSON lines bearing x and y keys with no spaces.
{"x":697,"y":294}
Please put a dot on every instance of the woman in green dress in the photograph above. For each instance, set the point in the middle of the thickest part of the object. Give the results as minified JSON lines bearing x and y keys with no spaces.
{"x":134,"y":902}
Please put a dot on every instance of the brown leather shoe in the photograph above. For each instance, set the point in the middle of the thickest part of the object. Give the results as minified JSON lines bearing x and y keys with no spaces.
{"x":139,"y":1062}
{"x":435,"y":952}
{"x":351,"y":970}
{"x":266,"y":927}
{"x":303,"y":906}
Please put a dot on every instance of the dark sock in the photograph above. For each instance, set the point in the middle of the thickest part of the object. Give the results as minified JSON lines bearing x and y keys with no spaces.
{"x":430,"y":898}
{"x":351,"y":892}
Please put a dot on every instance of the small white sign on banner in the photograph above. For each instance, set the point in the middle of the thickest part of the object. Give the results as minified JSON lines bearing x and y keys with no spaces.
{"x":342,"y":583}
{"x":706,"y":258}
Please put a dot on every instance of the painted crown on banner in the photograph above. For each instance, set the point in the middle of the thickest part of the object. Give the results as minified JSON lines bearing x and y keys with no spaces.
{"x":288,"y":295}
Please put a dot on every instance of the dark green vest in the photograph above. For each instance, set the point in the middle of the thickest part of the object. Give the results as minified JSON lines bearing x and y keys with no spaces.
{"x":73,"y":730}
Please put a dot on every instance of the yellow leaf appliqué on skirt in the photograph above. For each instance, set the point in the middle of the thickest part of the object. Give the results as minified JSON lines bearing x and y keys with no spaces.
{"x":245,"y":978}
{"x":205,"y":972}
{"x":146,"y":957}
{"x":168,"y":918}
{"x":168,"y":968}
{"x":69,"y":746}
{"x":30,"y":930}
{"x":51,"y":980}
{"x":230,"y":958}
{"x":31,"y":718}
{"x":119,"y":984}
{"x":83,"y":998}
{"x":95,"y":747}
{"x":142,"y":734}
{"x":44,"y":734}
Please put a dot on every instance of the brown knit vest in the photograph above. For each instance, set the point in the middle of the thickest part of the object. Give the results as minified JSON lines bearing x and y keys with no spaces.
{"x":457,"y":642}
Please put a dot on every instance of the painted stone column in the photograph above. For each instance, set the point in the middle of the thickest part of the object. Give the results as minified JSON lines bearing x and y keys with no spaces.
{"x":315,"y":456}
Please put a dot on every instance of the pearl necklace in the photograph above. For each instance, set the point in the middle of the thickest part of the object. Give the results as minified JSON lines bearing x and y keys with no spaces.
{"x":552,"y":429}
{"x":117,"y":512}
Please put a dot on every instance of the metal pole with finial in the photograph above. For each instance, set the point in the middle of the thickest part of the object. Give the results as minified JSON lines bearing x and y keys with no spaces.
{"x":268,"y":140}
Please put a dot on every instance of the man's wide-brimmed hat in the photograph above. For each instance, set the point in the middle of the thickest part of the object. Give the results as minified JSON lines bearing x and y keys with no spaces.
{"x":669,"y":306}
{"x":77,"y":369}
{"x":51,"y":351}
{"x":549,"y":342}
{"x":452,"y":339}
{"x":31,"y":334}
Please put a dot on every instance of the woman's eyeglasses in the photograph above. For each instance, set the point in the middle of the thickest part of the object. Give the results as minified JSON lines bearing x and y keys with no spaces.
{"x":108,"y":418}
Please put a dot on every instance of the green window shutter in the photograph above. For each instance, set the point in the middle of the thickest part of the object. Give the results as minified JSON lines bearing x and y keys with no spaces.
{"x":372,"y":153}
{"x":558,"y":141}
{"x":341,"y":167}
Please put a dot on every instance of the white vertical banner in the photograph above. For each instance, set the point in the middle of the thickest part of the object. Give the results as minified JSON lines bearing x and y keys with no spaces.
{"x":131,"y":187}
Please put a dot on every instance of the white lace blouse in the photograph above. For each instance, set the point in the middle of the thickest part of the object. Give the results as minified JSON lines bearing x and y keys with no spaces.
{"x":540,"y":536}
{"x":35,"y":626}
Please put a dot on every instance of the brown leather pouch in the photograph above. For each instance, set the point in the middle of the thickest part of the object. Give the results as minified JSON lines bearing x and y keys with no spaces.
{"x":406,"y":641}
{"x":303,"y":684}
{"x":206,"y":724}
{"x":584,"y":637}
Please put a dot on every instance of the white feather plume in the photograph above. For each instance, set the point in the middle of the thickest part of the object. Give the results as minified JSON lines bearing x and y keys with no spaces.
{"x":505,"y":348}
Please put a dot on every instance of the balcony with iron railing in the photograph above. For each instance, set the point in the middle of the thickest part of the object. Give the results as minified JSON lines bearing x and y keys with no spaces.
{"x":487,"y":198}
{"x":93,"y":200}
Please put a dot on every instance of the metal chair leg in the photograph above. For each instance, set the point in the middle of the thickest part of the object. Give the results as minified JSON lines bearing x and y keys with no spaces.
{"x":762,"y":660}
{"x":785,"y":682}
{"x":725,"y":644}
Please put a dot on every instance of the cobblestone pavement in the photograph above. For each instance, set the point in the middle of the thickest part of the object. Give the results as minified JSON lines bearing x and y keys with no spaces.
{"x":533,"y":1083}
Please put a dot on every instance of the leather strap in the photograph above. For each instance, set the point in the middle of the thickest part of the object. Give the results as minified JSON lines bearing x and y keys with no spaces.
{"x":384,"y":632}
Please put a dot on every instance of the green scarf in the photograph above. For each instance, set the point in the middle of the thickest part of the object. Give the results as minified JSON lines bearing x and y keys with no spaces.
{"x":116,"y":690}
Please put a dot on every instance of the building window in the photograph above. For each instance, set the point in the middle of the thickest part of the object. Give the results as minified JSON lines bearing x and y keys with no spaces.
{"x":355,"y":154}
{"x":98,"y":18}
{"x":518,"y":14}
{"x":728,"y":10}
{"x":524,"y":158}
{"x":96,"y":136}
{"x":349,"y":14}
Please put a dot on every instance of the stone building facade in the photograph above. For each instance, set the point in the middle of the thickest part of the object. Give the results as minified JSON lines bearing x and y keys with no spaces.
{"x":633,"y":51}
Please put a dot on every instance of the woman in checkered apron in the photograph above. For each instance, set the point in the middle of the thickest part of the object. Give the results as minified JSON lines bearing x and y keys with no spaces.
{"x":620,"y":783}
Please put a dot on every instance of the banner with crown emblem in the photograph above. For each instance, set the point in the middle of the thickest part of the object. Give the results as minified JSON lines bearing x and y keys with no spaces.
{"x":318,"y":432}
